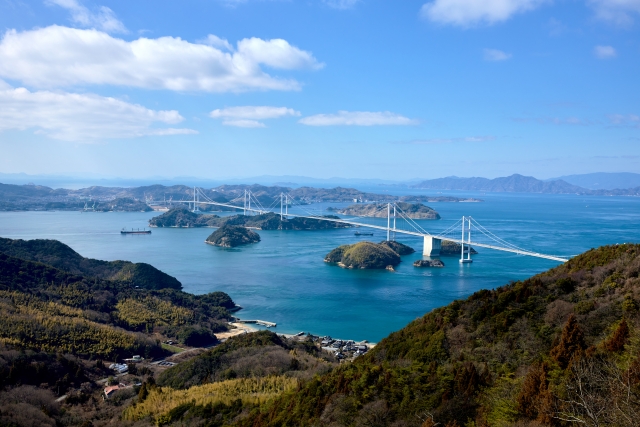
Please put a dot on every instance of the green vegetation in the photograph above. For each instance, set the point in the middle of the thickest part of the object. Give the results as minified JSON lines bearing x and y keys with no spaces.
{"x":379,"y":210}
{"x":182,"y":217}
{"x":230,"y":236}
{"x":257,"y":354}
{"x":165,"y":405}
{"x":562,"y":345}
{"x":47,"y":309}
{"x":59,"y":255}
{"x":399,"y":248}
{"x":363,"y":255}
{"x":517,"y":355}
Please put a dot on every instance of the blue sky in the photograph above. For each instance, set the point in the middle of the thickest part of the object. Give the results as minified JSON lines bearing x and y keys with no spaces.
{"x":321,"y":88}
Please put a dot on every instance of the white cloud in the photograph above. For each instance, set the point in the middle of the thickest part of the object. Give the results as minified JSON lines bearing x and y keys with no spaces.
{"x":253,"y":112}
{"x":571,"y":121}
{"x":242,"y":123}
{"x":431,"y":141}
{"x":104,"y":19}
{"x":248,"y":116}
{"x":604,"y":52}
{"x":81,"y":117}
{"x":467,"y":13}
{"x":217,"y":42}
{"x":58,"y":56}
{"x":617,"y":12}
{"x":357,"y":118}
{"x":495,"y":55}
{"x":341,"y":4}
{"x":631,"y":120}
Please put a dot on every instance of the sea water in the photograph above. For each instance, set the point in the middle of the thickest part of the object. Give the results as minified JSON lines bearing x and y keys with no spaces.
{"x":283,"y":278}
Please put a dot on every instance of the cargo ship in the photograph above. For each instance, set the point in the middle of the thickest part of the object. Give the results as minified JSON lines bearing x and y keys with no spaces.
{"x":357,"y":233}
{"x":132,"y":231}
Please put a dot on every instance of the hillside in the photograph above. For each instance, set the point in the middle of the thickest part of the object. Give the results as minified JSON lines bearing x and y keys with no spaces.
{"x":379,"y":210}
{"x":511,"y":356}
{"x":36,"y":197}
{"x":59,"y":255}
{"x":514,"y":183}
{"x":47,"y":309}
{"x":181,"y":217}
{"x":604,"y":180}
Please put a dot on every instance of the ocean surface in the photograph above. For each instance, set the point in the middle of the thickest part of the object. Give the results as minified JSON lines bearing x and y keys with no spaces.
{"x":283,"y":278}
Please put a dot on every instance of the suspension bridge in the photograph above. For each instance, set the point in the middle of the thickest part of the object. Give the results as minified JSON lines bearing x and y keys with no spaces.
{"x":466,"y":232}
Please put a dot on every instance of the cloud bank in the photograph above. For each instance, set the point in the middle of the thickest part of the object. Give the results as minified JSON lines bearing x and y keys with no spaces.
{"x":249,"y":116}
{"x":358,"y":118}
{"x":468,"y":13}
{"x":617,"y":12}
{"x":81,"y":118}
{"x":59,"y":56}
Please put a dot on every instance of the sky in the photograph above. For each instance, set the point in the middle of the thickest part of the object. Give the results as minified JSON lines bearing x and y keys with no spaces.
{"x":322,"y":88}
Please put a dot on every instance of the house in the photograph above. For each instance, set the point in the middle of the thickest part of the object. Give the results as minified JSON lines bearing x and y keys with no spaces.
{"x":119,"y":367}
{"x":109,"y":391}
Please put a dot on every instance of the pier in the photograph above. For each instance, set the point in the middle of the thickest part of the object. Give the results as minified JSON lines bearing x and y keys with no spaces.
{"x":258,"y":322}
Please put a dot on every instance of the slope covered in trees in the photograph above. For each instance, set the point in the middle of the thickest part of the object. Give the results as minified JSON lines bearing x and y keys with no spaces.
{"x":47,"y":309}
{"x":59,"y":255}
{"x":562,"y":345}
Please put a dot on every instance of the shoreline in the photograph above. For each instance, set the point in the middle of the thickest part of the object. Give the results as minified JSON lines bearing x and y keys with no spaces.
{"x":247,"y":328}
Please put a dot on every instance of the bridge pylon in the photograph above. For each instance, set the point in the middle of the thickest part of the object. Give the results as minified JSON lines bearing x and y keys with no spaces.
{"x":465,"y":248}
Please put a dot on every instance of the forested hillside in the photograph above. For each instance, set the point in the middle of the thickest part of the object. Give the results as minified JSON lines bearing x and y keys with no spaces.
{"x":561,"y":348}
{"x":59,"y":255}
{"x":563,"y":345}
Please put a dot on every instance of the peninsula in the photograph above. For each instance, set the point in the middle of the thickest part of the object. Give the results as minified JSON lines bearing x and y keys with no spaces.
{"x":180,"y":217}
{"x":379,"y":210}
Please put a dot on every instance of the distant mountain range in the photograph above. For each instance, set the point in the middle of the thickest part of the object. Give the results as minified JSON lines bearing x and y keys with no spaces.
{"x":603,"y":180}
{"x":517,"y":184}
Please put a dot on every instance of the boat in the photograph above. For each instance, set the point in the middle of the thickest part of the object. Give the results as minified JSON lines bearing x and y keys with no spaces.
{"x":357,"y":233}
{"x":132,"y":231}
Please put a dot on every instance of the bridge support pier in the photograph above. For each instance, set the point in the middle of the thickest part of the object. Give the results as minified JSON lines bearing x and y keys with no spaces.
{"x":431,"y":246}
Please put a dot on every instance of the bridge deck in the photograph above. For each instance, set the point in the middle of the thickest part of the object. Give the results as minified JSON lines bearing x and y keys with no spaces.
{"x":380,"y":227}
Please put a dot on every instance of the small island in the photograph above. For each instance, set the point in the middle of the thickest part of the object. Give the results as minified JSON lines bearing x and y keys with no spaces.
{"x":363,"y":255}
{"x":428,"y":263}
{"x":379,"y":210}
{"x":230,"y":236}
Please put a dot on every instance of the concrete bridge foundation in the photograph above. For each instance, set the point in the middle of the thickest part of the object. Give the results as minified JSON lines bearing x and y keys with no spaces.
{"x":431,"y":246}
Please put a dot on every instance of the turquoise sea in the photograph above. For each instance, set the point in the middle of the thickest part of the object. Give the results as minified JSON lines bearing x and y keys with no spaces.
{"x":283,"y":278}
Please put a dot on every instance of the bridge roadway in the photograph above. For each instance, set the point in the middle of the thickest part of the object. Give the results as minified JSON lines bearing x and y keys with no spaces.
{"x":380,"y":227}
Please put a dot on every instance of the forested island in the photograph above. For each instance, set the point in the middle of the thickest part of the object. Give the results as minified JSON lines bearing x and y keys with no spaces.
{"x":509,"y":356}
{"x":230,"y":236}
{"x":181,"y":217}
{"x":363,"y":255}
{"x":379,"y":210}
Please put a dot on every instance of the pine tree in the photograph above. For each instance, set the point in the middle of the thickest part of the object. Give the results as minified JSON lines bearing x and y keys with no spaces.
{"x":571,"y":343}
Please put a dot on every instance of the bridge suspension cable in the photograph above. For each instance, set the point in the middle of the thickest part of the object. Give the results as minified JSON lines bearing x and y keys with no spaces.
{"x":399,"y":222}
